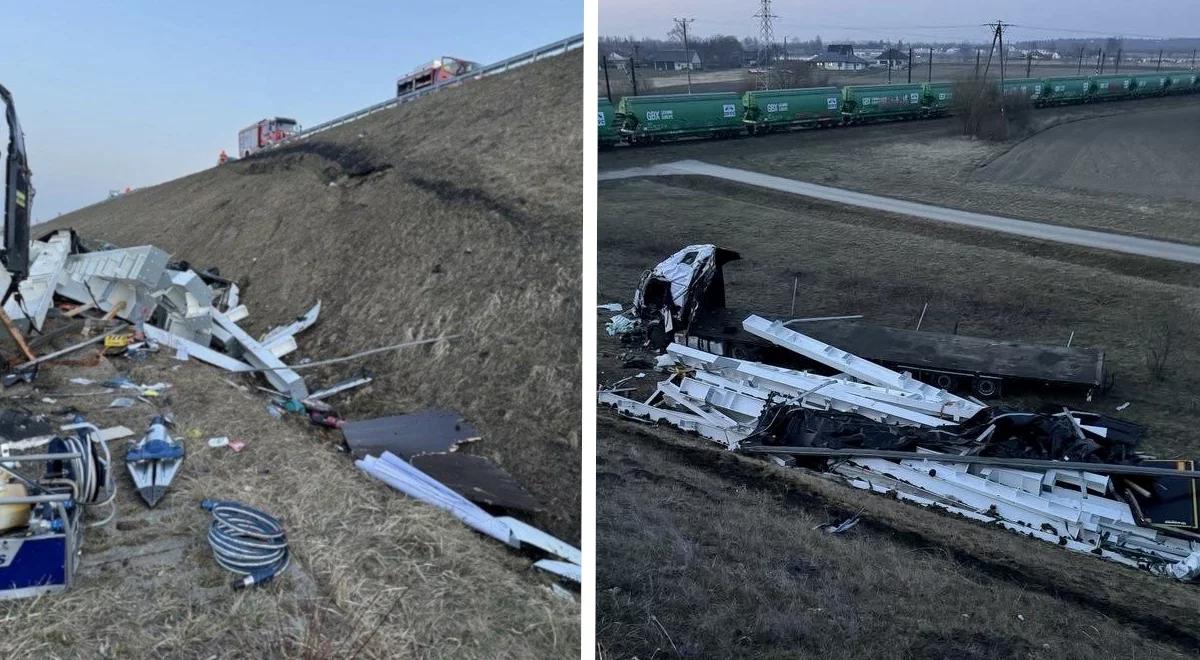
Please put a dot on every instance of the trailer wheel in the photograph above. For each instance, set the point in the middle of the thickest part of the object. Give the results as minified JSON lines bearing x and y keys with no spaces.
{"x":986,"y":388}
{"x":739,"y":352}
{"x":945,"y":382}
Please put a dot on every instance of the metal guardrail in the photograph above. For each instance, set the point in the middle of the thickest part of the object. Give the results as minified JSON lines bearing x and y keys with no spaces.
{"x":549,"y":50}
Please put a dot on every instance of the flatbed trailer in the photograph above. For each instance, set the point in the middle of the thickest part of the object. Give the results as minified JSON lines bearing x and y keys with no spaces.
{"x":959,"y":363}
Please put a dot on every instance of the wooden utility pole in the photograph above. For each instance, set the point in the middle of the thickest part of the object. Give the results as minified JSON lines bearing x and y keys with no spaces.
{"x":633,"y":68}
{"x":687,"y":55}
{"x":1117,"y":63}
{"x":888,"y":55}
{"x":1159,"y":67}
{"x":607,"y":86}
{"x":1079,"y":71}
{"x":1100,"y":61}
{"x":1028,"y":64}
{"x":930,"y":64}
{"x":910,"y":64}
{"x":977,"y":54}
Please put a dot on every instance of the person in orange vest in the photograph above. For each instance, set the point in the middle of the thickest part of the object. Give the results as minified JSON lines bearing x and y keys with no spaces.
{"x":223,"y":158}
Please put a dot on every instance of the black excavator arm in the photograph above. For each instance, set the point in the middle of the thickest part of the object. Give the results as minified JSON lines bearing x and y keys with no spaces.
{"x":18,"y":198}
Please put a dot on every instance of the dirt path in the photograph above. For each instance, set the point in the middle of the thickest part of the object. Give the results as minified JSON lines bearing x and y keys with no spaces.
{"x":1037,"y":230}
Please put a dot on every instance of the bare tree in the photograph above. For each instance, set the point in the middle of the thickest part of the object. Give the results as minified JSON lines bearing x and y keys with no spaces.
{"x":1165,"y":330}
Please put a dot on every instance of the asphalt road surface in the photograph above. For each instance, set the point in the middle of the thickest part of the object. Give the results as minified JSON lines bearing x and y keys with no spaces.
{"x":1037,"y":230}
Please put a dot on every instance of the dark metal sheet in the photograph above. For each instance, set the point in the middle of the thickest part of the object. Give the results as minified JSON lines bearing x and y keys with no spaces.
{"x":477,"y":479}
{"x":424,"y":432}
{"x":1172,"y":500}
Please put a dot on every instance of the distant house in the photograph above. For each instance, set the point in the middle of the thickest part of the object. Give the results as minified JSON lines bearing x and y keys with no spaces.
{"x":839,"y":62}
{"x":892,"y":57}
{"x":617,"y":61}
{"x":839,"y":49}
{"x":676,"y":60}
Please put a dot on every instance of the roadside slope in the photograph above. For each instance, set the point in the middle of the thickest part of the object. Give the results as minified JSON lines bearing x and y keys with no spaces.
{"x":457,"y":214}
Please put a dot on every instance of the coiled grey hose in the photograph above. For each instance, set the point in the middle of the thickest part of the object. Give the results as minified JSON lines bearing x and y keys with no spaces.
{"x":247,"y":541}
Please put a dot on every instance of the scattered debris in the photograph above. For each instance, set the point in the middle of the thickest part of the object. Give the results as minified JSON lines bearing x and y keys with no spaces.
{"x":153,"y":462}
{"x":1068,"y":477}
{"x":395,"y":472}
{"x":611,"y":307}
{"x":221,"y":441}
{"x":247,"y":541}
{"x":476,"y":478}
{"x":46,"y":498}
{"x":838,"y":528}
{"x":425,"y":432}
{"x":1123,"y":406}
{"x":122,"y":402}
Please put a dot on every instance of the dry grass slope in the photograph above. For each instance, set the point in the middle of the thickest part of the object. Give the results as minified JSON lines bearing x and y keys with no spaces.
{"x":460,"y":213}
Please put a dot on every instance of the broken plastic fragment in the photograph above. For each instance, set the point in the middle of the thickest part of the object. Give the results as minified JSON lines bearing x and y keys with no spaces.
{"x":221,"y":441}
{"x":121,"y":402}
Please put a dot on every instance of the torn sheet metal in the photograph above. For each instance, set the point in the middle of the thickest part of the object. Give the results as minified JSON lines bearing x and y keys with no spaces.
{"x":407,"y":479}
{"x":951,"y":406}
{"x":411,"y":481}
{"x":111,"y":277}
{"x":563,"y":569}
{"x":339,"y":387}
{"x":37,"y":290}
{"x":801,"y":384}
{"x":530,"y":535}
{"x":1078,"y":521}
{"x":192,"y":349}
{"x":424,"y":432}
{"x":284,"y":332}
{"x":730,"y":438}
{"x":823,"y":392}
{"x":275,"y":371}
{"x":477,"y":479}
{"x":185,"y":305}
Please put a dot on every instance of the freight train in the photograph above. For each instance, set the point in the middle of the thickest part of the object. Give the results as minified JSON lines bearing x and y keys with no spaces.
{"x":648,"y":119}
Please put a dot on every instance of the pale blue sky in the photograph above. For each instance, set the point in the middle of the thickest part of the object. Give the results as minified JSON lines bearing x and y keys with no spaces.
{"x":907,"y":19}
{"x":133,"y":93}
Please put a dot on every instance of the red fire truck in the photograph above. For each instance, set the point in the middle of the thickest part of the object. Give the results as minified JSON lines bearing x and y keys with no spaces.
{"x":441,"y":69}
{"x":264,"y":134}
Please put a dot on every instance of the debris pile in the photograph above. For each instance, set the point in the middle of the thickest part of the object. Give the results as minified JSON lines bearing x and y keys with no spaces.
{"x":416,"y":455}
{"x":1064,"y":476}
{"x":173,"y":305}
{"x":139,"y":302}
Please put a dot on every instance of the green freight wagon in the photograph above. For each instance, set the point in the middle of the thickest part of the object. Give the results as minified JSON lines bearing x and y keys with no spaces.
{"x":1150,"y":84}
{"x":1067,"y":89}
{"x":1025,"y":88}
{"x":606,"y":129}
{"x":671,"y":116}
{"x":777,"y":109}
{"x":867,"y":102}
{"x":1183,"y":82}
{"x":1111,"y":87}
{"x":937,"y":98}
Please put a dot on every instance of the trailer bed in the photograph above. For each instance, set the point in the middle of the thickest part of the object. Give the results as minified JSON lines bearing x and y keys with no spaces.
{"x":933,"y":352}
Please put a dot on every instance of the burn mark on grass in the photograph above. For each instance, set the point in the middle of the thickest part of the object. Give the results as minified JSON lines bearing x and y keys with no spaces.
{"x":451,"y":192}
